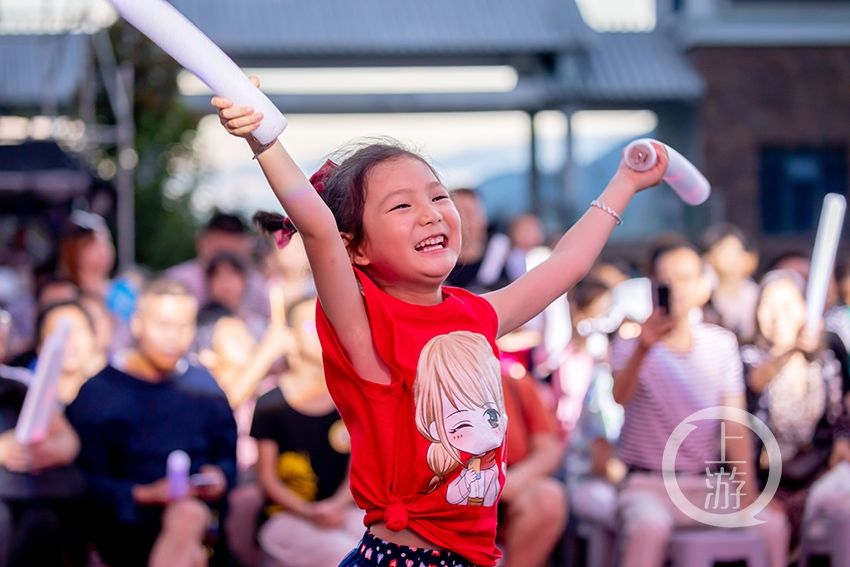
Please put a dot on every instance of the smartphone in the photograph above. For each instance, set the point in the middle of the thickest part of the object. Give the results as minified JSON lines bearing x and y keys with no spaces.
{"x":662,"y":297}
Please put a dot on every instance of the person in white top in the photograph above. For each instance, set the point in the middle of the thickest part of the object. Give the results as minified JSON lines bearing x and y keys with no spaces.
{"x":676,"y":367}
{"x":732,"y":257}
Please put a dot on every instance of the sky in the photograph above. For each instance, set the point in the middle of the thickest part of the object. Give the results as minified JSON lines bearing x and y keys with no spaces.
{"x":466,"y":148}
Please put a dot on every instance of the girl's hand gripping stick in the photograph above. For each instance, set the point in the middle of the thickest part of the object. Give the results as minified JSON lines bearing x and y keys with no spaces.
{"x":681,"y":175}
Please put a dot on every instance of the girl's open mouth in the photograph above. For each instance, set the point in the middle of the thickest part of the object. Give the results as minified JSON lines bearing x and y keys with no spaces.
{"x":433,"y":243}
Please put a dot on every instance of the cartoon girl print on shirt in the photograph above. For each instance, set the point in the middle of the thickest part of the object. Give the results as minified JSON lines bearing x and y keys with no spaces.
{"x":461,"y":411}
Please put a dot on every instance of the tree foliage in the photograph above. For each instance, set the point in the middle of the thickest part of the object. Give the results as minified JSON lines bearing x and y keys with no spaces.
{"x":165,"y":226}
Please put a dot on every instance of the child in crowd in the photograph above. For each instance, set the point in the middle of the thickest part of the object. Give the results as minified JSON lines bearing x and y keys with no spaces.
{"x":594,"y":425}
{"x":382,"y":235}
{"x":734,"y":260}
{"x":80,"y":353}
{"x":303,"y":459}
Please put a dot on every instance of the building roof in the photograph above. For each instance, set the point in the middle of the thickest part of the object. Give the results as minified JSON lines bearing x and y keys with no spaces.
{"x":617,"y":67}
{"x":284,"y":29}
{"x":637,"y":67}
{"x":537,"y":36}
{"x":41,"y":68}
{"x":715,"y":23}
{"x":44,"y":169}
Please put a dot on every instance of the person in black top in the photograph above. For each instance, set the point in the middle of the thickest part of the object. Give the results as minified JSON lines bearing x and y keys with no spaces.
{"x":131,"y":416}
{"x":303,"y":460}
{"x":39,"y":490}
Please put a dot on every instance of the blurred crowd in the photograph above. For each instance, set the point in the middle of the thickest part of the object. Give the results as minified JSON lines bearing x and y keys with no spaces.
{"x":219,"y":357}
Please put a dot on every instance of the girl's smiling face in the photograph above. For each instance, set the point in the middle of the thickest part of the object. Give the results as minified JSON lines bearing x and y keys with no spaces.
{"x":411,"y":227}
{"x":474,"y":430}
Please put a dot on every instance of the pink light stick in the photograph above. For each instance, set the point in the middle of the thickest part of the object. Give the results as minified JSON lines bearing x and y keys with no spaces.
{"x":177,"y":472}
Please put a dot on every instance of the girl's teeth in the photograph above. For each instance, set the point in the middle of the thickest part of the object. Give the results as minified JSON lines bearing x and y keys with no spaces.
{"x":431,"y":243}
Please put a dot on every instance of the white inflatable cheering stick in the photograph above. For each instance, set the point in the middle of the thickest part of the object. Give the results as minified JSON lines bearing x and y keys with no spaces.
{"x":40,"y":402}
{"x":188,"y":45}
{"x":681,"y":175}
{"x":823,"y":257}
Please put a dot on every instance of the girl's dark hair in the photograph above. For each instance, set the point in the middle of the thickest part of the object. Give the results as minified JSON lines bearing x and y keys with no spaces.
{"x":345,"y":187}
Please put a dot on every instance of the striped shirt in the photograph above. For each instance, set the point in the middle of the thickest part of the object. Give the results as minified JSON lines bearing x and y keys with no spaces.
{"x":673,"y":385}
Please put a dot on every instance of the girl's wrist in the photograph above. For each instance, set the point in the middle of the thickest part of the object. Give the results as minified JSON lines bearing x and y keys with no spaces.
{"x":259,"y":148}
{"x":622,"y":182}
{"x":253,"y":143}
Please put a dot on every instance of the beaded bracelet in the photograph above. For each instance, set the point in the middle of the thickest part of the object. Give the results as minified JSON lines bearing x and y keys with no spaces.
{"x":263,"y":148}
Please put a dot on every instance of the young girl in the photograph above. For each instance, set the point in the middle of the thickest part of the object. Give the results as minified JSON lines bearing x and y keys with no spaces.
{"x":381,"y":238}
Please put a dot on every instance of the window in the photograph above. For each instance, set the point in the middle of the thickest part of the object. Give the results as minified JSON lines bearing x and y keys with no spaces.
{"x":788,"y":1}
{"x":803,"y":4}
{"x":793,"y":183}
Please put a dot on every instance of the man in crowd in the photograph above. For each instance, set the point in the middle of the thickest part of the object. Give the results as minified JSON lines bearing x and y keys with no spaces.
{"x":473,"y":242}
{"x":674,"y":368}
{"x":223,"y":233}
{"x":131,"y":416}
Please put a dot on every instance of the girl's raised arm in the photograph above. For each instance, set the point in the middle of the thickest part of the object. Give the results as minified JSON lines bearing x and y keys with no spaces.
{"x":572,"y":258}
{"x":336,"y":282}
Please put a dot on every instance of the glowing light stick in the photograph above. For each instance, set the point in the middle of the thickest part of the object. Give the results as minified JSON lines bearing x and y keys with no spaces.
{"x":685,"y":179}
{"x":631,"y":299}
{"x":823,"y":257}
{"x":188,"y":45}
{"x":40,"y":401}
{"x":177,"y":473}
{"x":494,"y":259}
{"x":558,"y":329}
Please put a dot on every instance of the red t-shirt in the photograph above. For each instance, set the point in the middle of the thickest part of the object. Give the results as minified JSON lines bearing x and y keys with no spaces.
{"x":426,"y":449}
